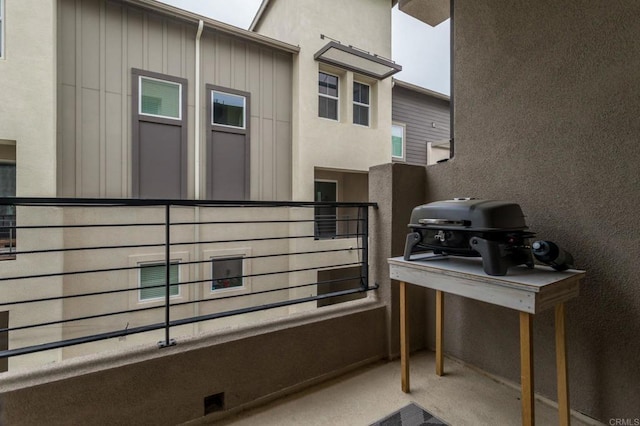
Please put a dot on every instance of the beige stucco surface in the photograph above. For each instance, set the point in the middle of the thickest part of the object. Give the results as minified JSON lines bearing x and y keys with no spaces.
{"x":324,"y":143}
{"x":27,"y":83}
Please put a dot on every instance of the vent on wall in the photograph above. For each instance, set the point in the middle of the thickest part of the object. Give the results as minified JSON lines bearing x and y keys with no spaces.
{"x":213,"y":403}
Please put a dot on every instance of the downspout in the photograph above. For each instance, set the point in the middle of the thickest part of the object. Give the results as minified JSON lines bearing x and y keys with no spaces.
{"x":197,"y":108}
{"x":196,"y":228}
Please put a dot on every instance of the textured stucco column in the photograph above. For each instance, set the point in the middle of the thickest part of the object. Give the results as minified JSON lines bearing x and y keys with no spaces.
{"x":397,"y":188}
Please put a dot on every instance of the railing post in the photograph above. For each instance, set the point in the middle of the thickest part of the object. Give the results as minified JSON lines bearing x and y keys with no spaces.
{"x":167,"y":280}
{"x":365,"y":247}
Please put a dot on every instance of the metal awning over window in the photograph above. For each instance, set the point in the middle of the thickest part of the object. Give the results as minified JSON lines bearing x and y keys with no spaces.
{"x":356,"y":60}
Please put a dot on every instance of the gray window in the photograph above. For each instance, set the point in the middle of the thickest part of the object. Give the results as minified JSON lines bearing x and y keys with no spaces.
{"x":325,"y":216}
{"x":152,"y":280}
{"x":361,"y":103}
{"x":7,"y":213}
{"x":1,"y":28}
{"x":159,"y":157}
{"x":228,"y":110}
{"x":160,"y":98}
{"x":226,"y":272}
{"x":328,"y":95}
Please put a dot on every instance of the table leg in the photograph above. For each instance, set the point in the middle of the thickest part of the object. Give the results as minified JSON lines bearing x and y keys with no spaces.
{"x":526,"y":368}
{"x":561,"y":367}
{"x":439,"y":332}
{"x":404,"y":337}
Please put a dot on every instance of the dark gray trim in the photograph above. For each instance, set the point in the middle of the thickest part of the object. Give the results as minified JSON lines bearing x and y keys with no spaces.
{"x":209,"y":88}
{"x":136,"y":117}
{"x":451,"y":74}
{"x":360,"y":53}
{"x":4,"y":340}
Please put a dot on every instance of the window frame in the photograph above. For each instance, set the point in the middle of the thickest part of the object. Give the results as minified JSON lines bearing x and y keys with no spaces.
{"x":207,"y":273}
{"x":403,"y":126}
{"x":360,"y":104}
{"x":336,"y":98}
{"x":212,"y":261}
{"x":142,"y":265}
{"x":166,"y":117}
{"x":134,"y":260}
{"x":244,"y":108}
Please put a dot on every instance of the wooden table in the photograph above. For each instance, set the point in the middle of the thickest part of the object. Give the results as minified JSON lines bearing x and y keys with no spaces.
{"x":528,"y":291}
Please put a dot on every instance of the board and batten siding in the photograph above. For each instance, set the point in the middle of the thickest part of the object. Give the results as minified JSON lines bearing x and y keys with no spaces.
{"x":100,"y":41}
{"x":418,"y":111}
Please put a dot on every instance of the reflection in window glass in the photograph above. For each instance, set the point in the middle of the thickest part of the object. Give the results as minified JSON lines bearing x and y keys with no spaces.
{"x":160,"y":98}
{"x":228,"y":109}
{"x":328,"y":96}
{"x":226,"y":273}
{"x":397,"y":141}
{"x":360,"y":104}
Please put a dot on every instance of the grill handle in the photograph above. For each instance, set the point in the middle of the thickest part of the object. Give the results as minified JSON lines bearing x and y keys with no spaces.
{"x":446,"y":222}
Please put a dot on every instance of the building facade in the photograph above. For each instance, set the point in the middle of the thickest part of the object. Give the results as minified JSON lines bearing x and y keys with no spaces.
{"x":420,"y":132}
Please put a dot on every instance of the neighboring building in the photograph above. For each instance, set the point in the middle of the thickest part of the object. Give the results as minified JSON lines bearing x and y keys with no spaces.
{"x":341,"y":90}
{"x":137,"y":99}
{"x":341,"y":121}
{"x":421,"y":124}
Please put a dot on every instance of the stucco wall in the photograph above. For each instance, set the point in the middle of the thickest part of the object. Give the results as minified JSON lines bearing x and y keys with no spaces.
{"x":27,"y":85}
{"x":168,"y":386}
{"x":319,"y":142}
{"x":546,"y":115}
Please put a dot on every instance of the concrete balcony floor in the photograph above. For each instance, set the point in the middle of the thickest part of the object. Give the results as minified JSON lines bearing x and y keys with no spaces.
{"x":463,"y":396}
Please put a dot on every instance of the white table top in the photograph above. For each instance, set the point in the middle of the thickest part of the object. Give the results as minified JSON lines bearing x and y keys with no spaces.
{"x":524,"y":289}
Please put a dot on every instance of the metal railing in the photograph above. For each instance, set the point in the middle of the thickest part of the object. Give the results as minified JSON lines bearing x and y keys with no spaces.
{"x":76,"y":278}
{"x":7,"y":234}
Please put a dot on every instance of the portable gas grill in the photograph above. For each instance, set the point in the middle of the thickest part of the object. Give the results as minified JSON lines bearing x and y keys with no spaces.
{"x":493,"y":230}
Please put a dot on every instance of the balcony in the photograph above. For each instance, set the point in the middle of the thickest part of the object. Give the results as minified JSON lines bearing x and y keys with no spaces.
{"x":84,"y":338}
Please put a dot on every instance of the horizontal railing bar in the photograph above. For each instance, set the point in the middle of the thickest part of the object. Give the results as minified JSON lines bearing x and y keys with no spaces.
{"x":125,"y":268}
{"x":233,"y":222}
{"x":281,"y":304}
{"x":3,"y":330}
{"x":271,"y":290}
{"x":258,"y":239}
{"x":123,"y":290}
{"x":158,"y":326}
{"x":135,"y":202}
{"x":64,"y":250}
{"x":87,"y":317}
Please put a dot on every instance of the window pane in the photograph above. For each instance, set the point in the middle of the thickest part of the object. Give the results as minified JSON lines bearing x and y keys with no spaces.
{"x":328,"y":84}
{"x":228,"y":109}
{"x":161,"y":98}
{"x":360,"y":93}
{"x":328,"y":108}
{"x":397,"y":136}
{"x":154,"y":275}
{"x":226,"y":273}
{"x":361,"y":115}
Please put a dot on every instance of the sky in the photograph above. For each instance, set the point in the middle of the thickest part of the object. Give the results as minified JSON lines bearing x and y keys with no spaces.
{"x":422,"y":50}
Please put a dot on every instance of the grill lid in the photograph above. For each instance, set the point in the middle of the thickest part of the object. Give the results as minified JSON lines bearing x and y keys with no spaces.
{"x":469,"y":214}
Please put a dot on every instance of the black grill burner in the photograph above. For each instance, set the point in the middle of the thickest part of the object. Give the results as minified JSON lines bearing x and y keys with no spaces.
{"x":493,"y":230}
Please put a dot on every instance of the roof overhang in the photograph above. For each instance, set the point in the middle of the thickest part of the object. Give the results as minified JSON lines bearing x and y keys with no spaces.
{"x":356,"y":60}
{"x":432,"y":12}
